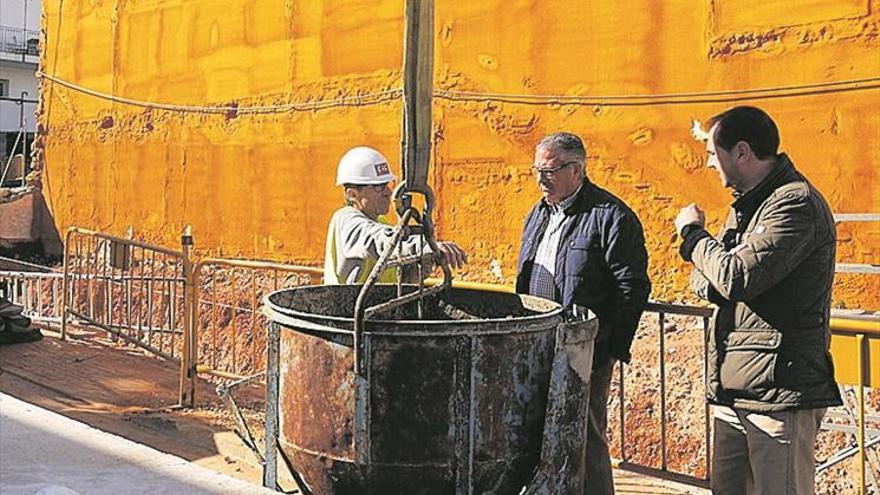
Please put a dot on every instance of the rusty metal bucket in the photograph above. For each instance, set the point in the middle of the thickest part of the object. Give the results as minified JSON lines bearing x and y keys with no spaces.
{"x":453,"y":403}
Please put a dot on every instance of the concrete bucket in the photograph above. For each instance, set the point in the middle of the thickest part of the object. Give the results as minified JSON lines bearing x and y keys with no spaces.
{"x":452,"y":403}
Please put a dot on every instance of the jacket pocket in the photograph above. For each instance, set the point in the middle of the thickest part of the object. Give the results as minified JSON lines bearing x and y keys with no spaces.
{"x":749,"y":361}
{"x":580,"y":245}
{"x":805,"y":361}
{"x":583,"y":261}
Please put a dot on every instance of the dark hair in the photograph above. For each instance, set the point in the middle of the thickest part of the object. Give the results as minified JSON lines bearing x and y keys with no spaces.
{"x":750,"y":125}
{"x":564,"y":141}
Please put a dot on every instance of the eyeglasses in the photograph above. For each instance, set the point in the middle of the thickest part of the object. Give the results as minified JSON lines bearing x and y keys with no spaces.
{"x":550,"y":173}
{"x":376,"y":187}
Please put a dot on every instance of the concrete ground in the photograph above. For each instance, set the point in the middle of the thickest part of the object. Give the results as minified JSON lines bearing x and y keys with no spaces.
{"x":45,"y":453}
{"x":105,"y":388}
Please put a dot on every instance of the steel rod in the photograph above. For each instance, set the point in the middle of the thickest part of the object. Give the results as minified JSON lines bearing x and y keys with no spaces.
{"x":662,"y":322}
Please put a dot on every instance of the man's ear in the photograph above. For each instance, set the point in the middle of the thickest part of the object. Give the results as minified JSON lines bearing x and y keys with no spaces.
{"x":350,"y":193}
{"x":742,"y":151}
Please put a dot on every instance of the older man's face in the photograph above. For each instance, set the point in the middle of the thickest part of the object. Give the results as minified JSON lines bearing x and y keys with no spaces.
{"x":372,"y":200}
{"x":558,"y":173}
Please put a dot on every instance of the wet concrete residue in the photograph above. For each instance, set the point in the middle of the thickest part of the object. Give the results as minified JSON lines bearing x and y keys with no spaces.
{"x":862,"y":30}
{"x":685,"y":157}
{"x":448,"y":305}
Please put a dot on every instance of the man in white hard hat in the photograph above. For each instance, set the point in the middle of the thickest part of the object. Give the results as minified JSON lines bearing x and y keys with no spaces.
{"x":359,"y":232}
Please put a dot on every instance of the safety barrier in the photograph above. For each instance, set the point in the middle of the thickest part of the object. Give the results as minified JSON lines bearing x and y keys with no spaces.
{"x":855,"y":345}
{"x":229,"y":332}
{"x":665,"y":328}
{"x":38,"y":293}
{"x":133,"y":291}
{"x":855,"y":348}
{"x":204,"y":316}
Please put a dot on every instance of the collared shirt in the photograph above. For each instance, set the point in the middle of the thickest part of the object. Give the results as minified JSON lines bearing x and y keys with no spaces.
{"x":542,"y":283}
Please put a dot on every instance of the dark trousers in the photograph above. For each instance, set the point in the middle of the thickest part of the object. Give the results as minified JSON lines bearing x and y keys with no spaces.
{"x":599,"y":480}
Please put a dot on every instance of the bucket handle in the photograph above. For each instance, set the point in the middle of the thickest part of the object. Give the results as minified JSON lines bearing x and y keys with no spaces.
{"x":402,"y":229}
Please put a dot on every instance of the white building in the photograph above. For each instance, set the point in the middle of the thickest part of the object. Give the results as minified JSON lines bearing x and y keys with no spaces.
{"x":19,"y":56}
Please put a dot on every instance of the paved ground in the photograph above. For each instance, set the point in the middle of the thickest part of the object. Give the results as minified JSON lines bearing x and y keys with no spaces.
{"x":122,"y":392}
{"x":630,"y":483}
{"x":46,"y":453}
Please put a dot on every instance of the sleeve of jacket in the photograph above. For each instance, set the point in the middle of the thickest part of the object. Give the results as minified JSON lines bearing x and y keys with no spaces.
{"x":627,"y":260}
{"x":703,"y":289}
{"x":763,"y":258}
{"x":363,"y":238}
{"x":699,"y":283}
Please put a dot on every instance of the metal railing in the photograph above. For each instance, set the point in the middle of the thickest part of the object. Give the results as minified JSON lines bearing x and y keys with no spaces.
{"x":19,"y":41}
{"x":133,"y":291}
{"x":699,"y":474}
{"x":855,"y":345}
{"x":855,"y":348}
{"x":37,"y":293}
{"x":229,"y":338}
{"x":204,"y":316}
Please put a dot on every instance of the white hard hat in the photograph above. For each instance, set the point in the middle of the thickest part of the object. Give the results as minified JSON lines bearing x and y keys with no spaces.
{"x":363,"y":166}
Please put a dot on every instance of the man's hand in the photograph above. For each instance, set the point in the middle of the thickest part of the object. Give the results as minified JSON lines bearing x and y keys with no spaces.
{"x":690,"y":214}
{"x":454,"y":256}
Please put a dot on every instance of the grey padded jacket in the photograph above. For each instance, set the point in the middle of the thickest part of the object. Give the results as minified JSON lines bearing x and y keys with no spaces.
{"x":770,"y":271}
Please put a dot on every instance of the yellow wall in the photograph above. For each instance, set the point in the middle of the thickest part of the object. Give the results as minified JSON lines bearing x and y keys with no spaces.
{"x":262,"y":185}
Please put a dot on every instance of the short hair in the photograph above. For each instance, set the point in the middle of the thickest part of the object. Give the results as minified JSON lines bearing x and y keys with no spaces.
{"x":747,"y":124}
{"x":564,"y":141}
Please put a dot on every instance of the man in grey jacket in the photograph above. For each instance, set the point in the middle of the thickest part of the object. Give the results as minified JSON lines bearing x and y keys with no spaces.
{"x":770,"y":272}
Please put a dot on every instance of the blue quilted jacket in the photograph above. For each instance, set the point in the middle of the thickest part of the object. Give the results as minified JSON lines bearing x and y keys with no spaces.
{"x":601,"y":265}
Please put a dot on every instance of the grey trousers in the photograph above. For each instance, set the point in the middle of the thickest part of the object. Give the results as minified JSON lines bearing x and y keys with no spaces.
{"x":765,"y":454}
{"x":599,"y":480}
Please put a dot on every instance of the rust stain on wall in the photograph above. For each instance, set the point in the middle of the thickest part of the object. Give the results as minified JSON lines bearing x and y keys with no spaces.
{"x":261,"y":185}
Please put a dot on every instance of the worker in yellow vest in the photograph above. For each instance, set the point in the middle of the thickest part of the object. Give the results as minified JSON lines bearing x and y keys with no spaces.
{"x":359,"y":232}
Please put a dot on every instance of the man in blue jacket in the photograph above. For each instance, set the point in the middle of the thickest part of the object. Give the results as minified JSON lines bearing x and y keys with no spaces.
{"x":584,"y":248}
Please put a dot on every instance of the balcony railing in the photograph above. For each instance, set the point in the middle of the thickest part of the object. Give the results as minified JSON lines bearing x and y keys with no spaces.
{"x":19,"y":41}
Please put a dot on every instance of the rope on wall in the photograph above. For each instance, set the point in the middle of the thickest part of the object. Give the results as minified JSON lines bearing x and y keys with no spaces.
{"x":520,"y":99}
{"x":347,"y":101}
{"x":669,"y":98}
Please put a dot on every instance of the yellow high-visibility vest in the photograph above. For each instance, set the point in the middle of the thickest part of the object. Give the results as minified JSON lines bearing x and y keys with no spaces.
{"x":363,"y":265}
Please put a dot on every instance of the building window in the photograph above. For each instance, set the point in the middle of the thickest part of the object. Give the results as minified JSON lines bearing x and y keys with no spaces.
{"x":4,"y":87}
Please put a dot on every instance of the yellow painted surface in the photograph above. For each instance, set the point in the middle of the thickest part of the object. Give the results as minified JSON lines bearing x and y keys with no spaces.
{"x":846,"y":352}
{"x":262,"y":186}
